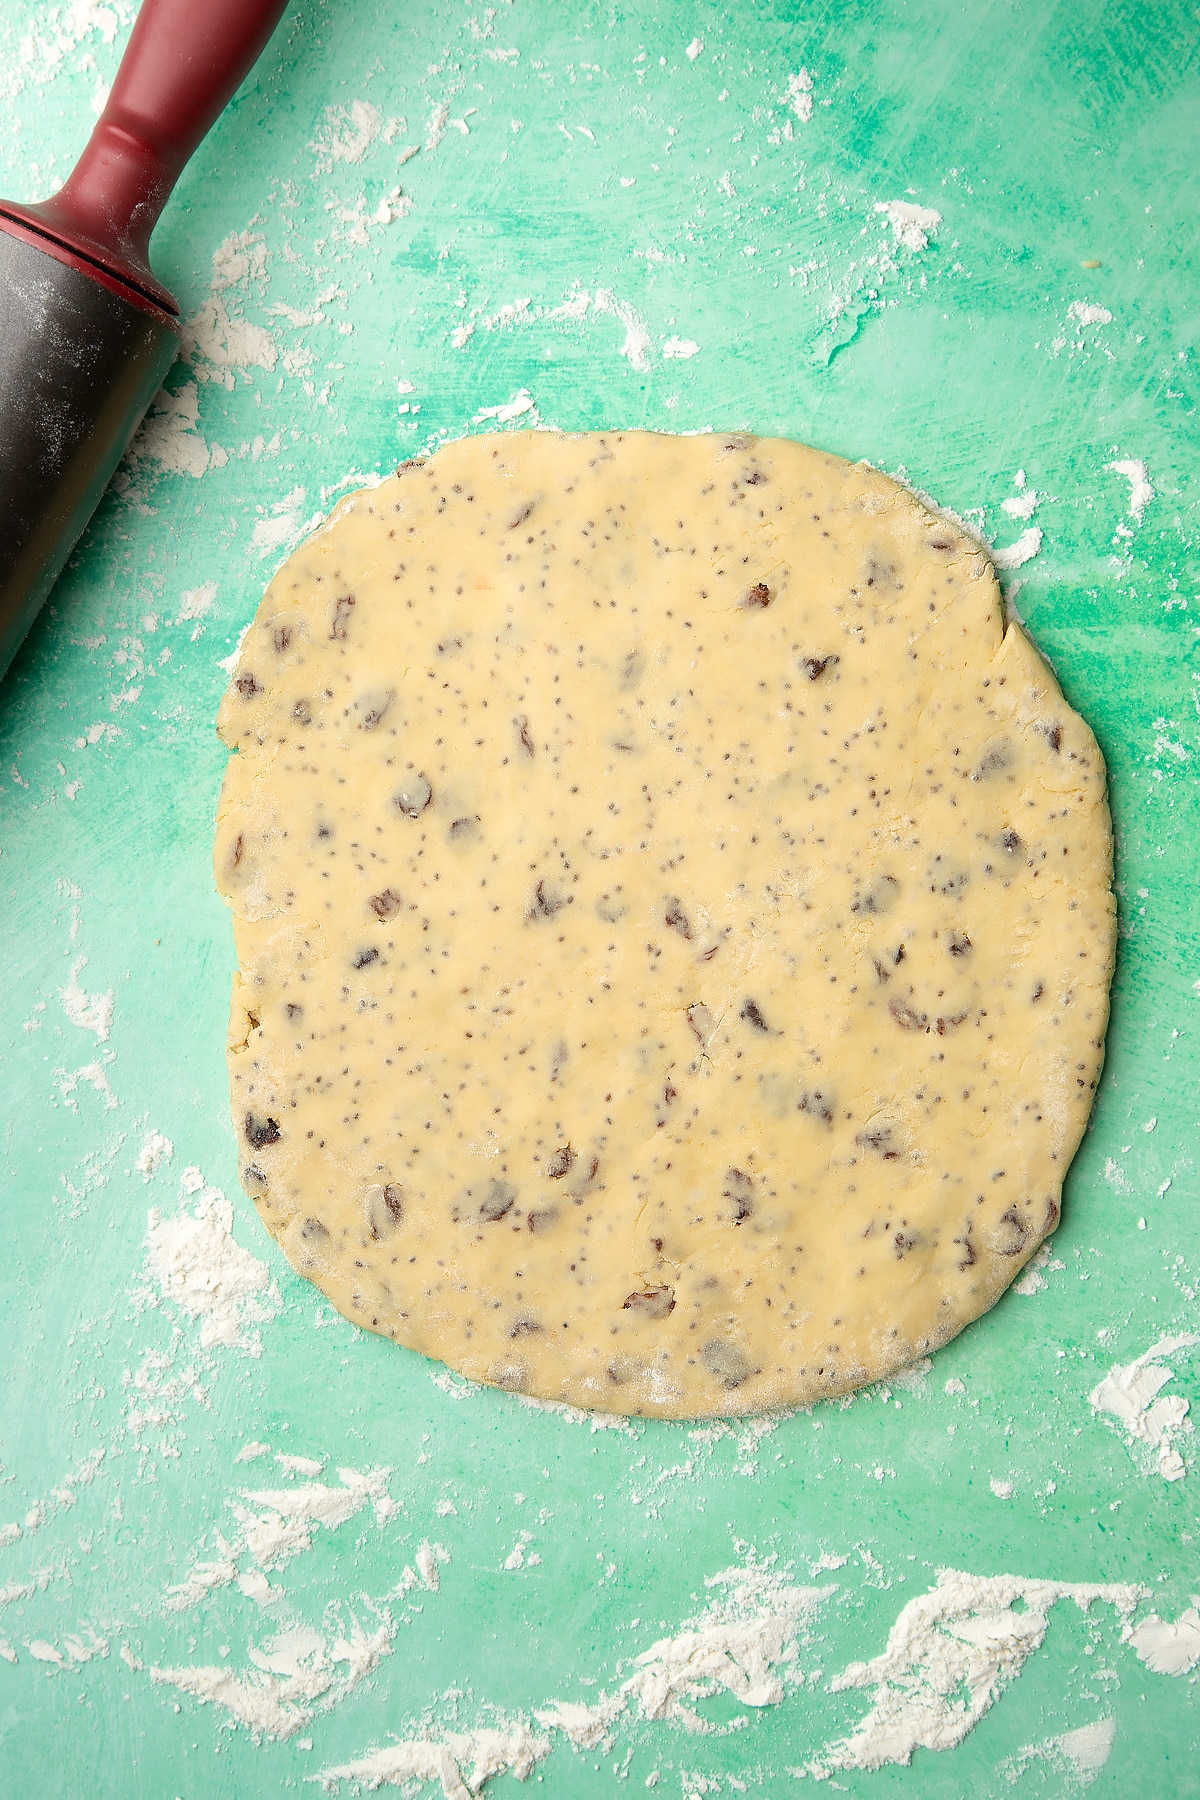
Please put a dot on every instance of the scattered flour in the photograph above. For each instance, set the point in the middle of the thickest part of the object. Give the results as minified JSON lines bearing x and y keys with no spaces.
{"x":429,"y":1560}
{"x":1140,"y":491}
{"x":739,"y":1644}
{"x":156,"y":1150}
{"x":1129,"y":1393}
{"x":296,"y":1465}
{"x":198,"y":1265}
{"x":52,"y":37}
{"x":574,"y":1415}
{"x":95,"y":1074}
{"x":1084,"y":313}
{"x":911,"y":224}
{"x":278,"y":1526}
{"x":91,"y":1012}
{"x":283,"y":524}
{"x":237,"y":260}
{"x":694,"y":49}
{"x":60,"y":1499}
{"x":462,"y":1761}
{"x":1089,"y":1747}
{"x":637,"y":348}
{"x":456,"y":1386}
{"x":229,"y":663}
{"x":396,"y":204}
{"x":196,"y":603}
{"x":159,"y":1393}
{"x":949,"y":1655}
{"x":74,"y":1651}
{"x":218,"y":340}
{"x":202,"y":1578}
{"x":1082,"y":1752}
{"x":1044,"y":1262}
{"x":357,"y":478}
{"x":744,"y":1644}
{"x":439,"y":118}
{"x":680,"y":349}
{"x":169,"y":436}
{"x":347,"y":135}
{"x":276,"y":1697}
{"x":800,"y":98}
{"x":1165,"y":1648}
{"x":219,"y":344}
{"x":1013,"y":556}
{"x":521,"y":406}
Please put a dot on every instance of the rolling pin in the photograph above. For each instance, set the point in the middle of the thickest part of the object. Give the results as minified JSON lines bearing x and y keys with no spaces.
{"x":87,"y":332}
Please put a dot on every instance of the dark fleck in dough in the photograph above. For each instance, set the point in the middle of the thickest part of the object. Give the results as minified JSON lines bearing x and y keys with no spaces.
{"x":728,"y":1365}
{"x":652,"y":1303}
{"x":414,"y":797}
{"x":260,"y":1132}
{"x":673,"y":920}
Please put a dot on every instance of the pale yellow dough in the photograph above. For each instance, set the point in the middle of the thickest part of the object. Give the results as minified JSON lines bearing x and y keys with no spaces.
{"x":673,"y":915}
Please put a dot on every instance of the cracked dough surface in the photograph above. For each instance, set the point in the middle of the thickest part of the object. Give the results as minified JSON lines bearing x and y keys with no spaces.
{"x":673,"y":917}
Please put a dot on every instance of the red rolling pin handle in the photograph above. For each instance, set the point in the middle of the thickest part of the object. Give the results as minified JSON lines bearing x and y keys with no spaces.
{"x":182,"y":65}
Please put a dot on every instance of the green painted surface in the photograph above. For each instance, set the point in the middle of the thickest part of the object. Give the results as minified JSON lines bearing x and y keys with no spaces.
{"x":1047,"y":139}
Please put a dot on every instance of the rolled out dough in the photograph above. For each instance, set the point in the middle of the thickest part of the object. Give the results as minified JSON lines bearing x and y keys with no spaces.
{"x":673,"y":917}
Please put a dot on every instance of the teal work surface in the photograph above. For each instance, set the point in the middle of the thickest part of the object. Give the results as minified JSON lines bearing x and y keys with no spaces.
{"x":244,"y":1546}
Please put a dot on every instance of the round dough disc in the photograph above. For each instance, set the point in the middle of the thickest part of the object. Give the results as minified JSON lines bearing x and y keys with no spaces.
{"x":673,"y":916}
